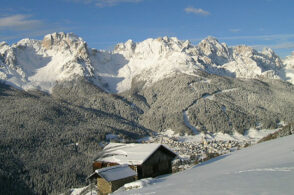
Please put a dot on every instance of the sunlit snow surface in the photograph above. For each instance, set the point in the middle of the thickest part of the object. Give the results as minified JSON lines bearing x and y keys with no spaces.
{"x":83,"y":190}
{"x":289,"y":68}
{"x":266,"y":168}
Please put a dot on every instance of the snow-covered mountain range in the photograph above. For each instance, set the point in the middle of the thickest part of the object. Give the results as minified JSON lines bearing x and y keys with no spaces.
{"x":39,"y":64}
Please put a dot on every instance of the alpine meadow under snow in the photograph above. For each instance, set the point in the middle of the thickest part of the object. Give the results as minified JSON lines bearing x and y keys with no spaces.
{"x":61,"y":102}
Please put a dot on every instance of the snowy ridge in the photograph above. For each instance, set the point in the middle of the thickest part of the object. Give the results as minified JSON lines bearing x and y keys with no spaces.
{"x":34,"y":64}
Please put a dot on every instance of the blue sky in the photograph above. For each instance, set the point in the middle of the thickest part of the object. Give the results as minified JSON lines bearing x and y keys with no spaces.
{"x":103,"y":23}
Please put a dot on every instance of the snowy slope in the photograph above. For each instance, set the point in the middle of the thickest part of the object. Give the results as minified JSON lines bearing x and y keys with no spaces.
{"x":61,"y":57}
{"x":289,"y":68}
{"x":266,"y":168}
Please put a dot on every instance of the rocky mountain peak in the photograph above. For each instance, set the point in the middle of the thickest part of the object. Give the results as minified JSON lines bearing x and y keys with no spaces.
{"x":289,"y":61}
{"x":273,"y":57}
{"x":63,"y":41}
{"x":268,"y":51}
{"x":128,"y":45}
{"x":212,"y":48}
{"x":155,"y":46}
{"x":126,"y":48}
{"x":67,"y":43}
{"x":2,"y":43}
{"x":209,"y":39}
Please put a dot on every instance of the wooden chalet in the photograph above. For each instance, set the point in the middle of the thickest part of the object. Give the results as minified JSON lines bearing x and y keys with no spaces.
{"x":111,"y":178}
{"x":148,"y":160}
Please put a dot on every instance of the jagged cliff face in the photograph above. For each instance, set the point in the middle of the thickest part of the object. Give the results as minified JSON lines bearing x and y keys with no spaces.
{"x":31,"y":64}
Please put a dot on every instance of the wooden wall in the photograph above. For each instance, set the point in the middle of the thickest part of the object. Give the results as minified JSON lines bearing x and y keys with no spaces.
{"x":119,"y":183}
{"x":104,"y":187}
{"x":158,"y":163}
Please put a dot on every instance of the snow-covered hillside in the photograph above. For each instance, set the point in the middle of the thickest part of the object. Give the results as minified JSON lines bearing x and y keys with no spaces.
{"x":35,"y":64}
{"x":289,"y":68}
{"x":266,"y":168}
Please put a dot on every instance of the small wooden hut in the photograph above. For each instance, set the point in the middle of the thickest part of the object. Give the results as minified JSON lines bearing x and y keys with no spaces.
{"x":148,"y":160}
{"x":111,"y":178}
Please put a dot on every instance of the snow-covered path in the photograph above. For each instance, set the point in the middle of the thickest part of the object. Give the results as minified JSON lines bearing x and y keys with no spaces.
{"x":211,"y":96}
{"x":266,"y":168}
{"x":187,"y":123}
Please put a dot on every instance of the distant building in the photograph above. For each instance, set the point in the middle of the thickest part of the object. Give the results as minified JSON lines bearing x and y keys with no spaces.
{"x":148,"y":160}
{"x":111,"y":178}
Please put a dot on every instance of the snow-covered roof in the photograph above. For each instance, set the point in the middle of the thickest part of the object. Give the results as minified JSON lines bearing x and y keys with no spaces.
{"x":114,"y":173}
{"x":132,"y":154}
